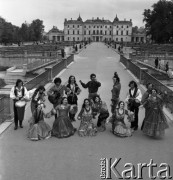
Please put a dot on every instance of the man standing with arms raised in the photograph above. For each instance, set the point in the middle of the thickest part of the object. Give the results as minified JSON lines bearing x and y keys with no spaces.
{"x":92,"y":86}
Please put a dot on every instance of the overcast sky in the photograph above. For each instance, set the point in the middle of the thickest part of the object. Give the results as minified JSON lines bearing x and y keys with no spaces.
{"x":53,"y":12}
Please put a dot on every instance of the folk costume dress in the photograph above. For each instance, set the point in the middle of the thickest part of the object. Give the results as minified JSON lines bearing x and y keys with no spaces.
{"x":87,"y":128}
{"x":119,"y":127}
{"x":115,"y":95}
{"x":155,"y":121}
{"x":37,"y":96}
{"x":62,"y":126}
{"x":39,"y":129}
{"x":72,"y":91}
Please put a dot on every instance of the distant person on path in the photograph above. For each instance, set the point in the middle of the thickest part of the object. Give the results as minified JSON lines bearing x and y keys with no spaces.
{"x":167,"y":67}
{"x":39,"y":95}
{"x":87,"y":127}
{"x":156,"y":62}
{"x":56,"y":93}
{"x":92,"y":86}
{"x":72,"y":91}
{"x":20,"y":95}
{"x":119,"y":127}
{"x":119,"y":49}
{"x":133,"y":101}
{"x":99,"y":107}
{"x":155,"y":121}
{"x":39,"y":129}
{"x":62,"y":126}
{"x":145,"y":97}
{"x":115,"y":91}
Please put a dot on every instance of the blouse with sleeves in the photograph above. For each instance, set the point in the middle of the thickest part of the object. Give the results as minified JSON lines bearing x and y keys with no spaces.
{"x":20,"y":93}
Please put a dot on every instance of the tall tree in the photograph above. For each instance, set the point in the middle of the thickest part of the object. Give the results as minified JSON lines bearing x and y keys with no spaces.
{"x":159,"y":21}
{"x":37,"y":29}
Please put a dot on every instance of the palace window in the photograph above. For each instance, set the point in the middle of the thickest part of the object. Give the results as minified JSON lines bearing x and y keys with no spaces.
{"x":121,"y":39}
{"x":127,"y":32}
{"x":68,"y":32}
{"x":74,"y":39}
{"x":78,"y":26}
{"x":105,"y":32}
{"x":94,"y":26}
{"x":84,"y":32}
{"x":110,"y":26}
{"x":78,"y":38}
{"x":68,"y":38}
{"x":94,"y":32}
{"x":116,"y":39}
{"x":105,"y":26}
{"x":117,"y":32}
{"x":121,"y":32}
{"x":127,"y":26}
{"x":101,"y":26}
{"x":101,"y":32}
{"x":110,"y":33}
{"x":89,"y":32}
{"x":73,"y":26}
{"x":68,"y":26}
{"x":122,"y":26}
{"x":84,"y":26}
{"x":73,"y":32}
{"x":117,"y":26}
{"x":97,"y":31}
{"x":97,"y":26}
{"x":78,"y":32}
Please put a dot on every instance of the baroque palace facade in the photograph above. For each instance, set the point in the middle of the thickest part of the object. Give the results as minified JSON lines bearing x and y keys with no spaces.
{"x":97,"y":30}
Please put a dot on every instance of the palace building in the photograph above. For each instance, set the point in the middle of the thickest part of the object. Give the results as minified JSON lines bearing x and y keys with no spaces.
{"x":98,"y":30}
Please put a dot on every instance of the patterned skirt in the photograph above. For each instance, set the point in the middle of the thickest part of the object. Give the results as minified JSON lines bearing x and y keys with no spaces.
{"x":87,"y":128}
{"x":121,"y":130}
{"x":39,"y":131}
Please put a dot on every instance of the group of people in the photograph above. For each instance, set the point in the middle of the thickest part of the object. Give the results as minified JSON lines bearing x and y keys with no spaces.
{"x":64,"y":99}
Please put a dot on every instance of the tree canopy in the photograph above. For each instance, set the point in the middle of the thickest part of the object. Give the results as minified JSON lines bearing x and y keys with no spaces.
{"x":27,"y":32}
{"x":159,"y":21}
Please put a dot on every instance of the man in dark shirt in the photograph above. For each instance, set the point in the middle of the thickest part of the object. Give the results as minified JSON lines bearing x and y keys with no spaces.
{"x":92,"y":86}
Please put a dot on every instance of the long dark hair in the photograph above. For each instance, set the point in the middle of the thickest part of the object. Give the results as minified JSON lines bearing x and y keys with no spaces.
{"x":133,"y":82}
{"x":69,"y":79}
{"x":83,"y":105}
{"x":120,"y":103}
{"x":97,"y":96}
{"x":37,"y":113}
{"x":19,"y":81}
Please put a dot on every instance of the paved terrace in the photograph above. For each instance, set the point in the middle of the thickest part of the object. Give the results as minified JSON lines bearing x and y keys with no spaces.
{"x":78,"y":158}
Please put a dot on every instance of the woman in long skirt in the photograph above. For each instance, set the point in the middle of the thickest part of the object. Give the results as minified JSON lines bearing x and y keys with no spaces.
{"x":72,"y":92}
{"x":62,"y":126}
{"x":39,"y":129}
{"x":155,"y":121}
{"x":115,"y":92}
{"x":87,"y":128}
{"x":119,"y":127}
